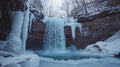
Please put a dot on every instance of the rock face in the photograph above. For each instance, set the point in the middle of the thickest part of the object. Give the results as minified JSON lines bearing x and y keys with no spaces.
{"x":97,"y":30}
{"x":36,"y":36}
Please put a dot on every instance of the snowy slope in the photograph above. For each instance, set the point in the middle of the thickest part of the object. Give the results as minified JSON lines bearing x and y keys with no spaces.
{"x":111,"y":45}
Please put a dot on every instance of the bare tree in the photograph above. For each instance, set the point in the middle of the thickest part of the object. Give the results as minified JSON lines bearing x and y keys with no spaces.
{"x":37,"y":4}
{"x":84,"y":6}
{"x":97,"y":4}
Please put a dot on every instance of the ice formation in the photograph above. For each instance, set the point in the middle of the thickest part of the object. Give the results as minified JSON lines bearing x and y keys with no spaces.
{"x":31,"y":20}
{"x":25,"y":28}
{"x":54,"y":35}
{"x":73,"y":24}
{"x":16,"y":40}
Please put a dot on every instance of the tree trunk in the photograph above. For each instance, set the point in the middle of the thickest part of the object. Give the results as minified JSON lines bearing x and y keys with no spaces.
{"x":84,"y":6}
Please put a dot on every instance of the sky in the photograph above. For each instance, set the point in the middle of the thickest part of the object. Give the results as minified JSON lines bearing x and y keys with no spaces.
{"x":59,"y":8}
{"x":54,"y":8}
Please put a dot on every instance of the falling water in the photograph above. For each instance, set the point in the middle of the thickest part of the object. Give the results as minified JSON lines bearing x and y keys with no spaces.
{"x":54,"y":40}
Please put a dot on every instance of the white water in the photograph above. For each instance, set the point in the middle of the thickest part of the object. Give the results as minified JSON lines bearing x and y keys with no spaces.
{"x":54,"y":39}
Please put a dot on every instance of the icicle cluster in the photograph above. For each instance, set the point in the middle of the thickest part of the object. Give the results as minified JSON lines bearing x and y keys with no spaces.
{"x":73,"y":24}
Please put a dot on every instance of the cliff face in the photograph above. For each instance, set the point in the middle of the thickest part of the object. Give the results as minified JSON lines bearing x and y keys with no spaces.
{"x":97,"y":27}
{"x":36,"y":36}
{"x":97,"y":30}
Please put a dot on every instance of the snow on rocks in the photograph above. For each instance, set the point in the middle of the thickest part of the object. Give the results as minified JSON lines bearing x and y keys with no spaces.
{"x":13,"y":44}
{"x":34,"y":60}
{"x":6,"y":54}
{"x":26,"y":60}
{"x":111,"y":45}
{"x":2,"y":45}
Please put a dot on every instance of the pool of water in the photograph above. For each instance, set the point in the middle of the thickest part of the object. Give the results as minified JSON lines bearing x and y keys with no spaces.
{"x":66,"y":55}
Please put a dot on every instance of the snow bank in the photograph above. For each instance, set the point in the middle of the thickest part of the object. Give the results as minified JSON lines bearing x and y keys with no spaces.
{"x":111,"y":62}
{"x":111,"y":45}
{"x":32,"y":62}
{"x":115,"y":36}
{"x":26,"y":60}
{"x":2,"y":44}
{"x":6,"y":54}
{"x":13,"y":44}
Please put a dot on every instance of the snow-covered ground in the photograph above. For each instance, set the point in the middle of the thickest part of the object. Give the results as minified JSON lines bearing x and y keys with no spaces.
{"x":31,"y":60}
{"x":92,"y":62}
{"x":25,"y":60}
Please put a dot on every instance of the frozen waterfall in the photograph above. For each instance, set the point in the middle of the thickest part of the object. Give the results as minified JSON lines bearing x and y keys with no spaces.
{"x":54,"y":39}
{"x":16,"y":40}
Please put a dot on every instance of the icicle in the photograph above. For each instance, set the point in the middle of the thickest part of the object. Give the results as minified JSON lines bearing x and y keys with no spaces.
{"x":17,"y":22}
{"x":73,"y":24}
{"x":73,"y":28}
{"x":25,"y":28}
{"x":30,"y":22}
{"x":14,"y":38}
{"x":79,"y":25}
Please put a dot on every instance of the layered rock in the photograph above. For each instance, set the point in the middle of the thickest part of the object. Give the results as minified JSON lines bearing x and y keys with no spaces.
{"x":36,"y":36}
